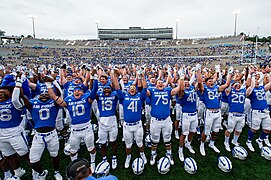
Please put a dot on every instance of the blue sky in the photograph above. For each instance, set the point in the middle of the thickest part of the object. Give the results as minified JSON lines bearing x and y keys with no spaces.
{"x":75,"y":19}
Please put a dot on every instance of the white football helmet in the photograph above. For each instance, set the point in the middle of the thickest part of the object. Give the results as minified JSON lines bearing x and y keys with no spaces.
{"x":266,"y":152}
{"x":224,"y":164}
{"x":190,"y":165}
{"x":138,"y":166}
{"x":67,"y":149}
{"x":239,"y":152}
{"x":148,"y":140}
{"x":163,"y":165}
{"x":102,"y":169}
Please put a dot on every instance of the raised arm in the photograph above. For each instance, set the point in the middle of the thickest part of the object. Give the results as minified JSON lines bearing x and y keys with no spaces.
{"x":59,"y":100}
{"x":228,"y":82}
{"x":251,"y":87}
{"x":16,"y":101}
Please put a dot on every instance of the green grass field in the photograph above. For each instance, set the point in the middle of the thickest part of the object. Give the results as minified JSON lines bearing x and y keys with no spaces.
{"x":254,"y":167}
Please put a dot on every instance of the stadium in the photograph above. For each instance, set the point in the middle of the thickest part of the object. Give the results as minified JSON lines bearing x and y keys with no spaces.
{"x":151,"y":46}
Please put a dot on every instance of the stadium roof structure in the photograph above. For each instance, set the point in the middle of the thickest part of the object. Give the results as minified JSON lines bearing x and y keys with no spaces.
{"x":135,"y":33}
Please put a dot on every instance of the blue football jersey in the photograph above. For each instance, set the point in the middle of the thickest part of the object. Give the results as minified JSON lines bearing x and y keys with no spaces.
{"x":44,"y":113}
{"x":189,"y":100}
{"x":211,"y":97}
{"x":9,"y":115}
{"x":236,"y":100}
{"x":160,"y":102}
{"x":107,"y":104}
{"x":258,"y":99}
{"x":80,"y":109}
{"x":132,"y":105}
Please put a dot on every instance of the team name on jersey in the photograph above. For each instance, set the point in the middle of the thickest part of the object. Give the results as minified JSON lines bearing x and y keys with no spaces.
{"x":44,"y":106}
{"x":5,"y":106}
{"x":107,"y":98}
{"x":77,"y":102}
{"x":160,"y":93}
{"x":132,"y":99}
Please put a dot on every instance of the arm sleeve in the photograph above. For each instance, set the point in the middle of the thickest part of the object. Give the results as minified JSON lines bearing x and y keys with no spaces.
{"x":94,"y":90}
{"x":120,"y":95}
{"x":16,"y":101}
{"x":143,"y":94}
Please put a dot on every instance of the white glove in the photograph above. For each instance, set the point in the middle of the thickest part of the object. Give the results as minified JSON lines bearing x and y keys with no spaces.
{"x":230,"y":70}
{"x":217,"y":68}
{"x":244,"y":71}
{"x":181,"y":73}
{"x":198,"y":67}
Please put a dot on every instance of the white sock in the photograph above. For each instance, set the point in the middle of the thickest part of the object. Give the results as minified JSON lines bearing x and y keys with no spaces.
{"x":212,"y":143}
{"x":227,"y":139}
{"x":235,"y":138}
{"x":92,"y":157}
{"x":169,"y":151}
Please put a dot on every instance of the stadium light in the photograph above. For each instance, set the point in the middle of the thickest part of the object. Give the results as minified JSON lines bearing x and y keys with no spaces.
{"x":176,"y":25}
{"x":33,"y":17}
{"x":256,"y":45}
{"x":97,"y":27}
{"x":235,"y":13}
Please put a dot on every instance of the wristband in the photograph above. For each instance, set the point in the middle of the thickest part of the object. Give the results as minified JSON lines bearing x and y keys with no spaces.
{"x":249,"y":76}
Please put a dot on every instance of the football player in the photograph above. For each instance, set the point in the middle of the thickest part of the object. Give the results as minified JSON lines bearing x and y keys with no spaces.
{"x":132,"y":102}
{"x":259,"y":112}
{"x":210,"y":93}
{"x":79,"y":107}
{"x":188,"y":98}
{"x":13,"y":141}
{"x":107,"y":102}
{"x":160,"y":117}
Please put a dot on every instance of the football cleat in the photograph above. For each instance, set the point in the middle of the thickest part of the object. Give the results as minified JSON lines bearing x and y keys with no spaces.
{"x":260,"y":143}
{"x":127,"y":161}
{"x":114,"y":163}
{"x":190,"y":148}
{"x":144,"y":158}
{"x":58,"y":176}
{"x":181,"y":156}
{"x":19,"y":172}
{"x":250,"y":147}
{"x":43,"y":175}
{"x":152,"y":160}
{"x":202,"y":150}
{"x":267,"y":143}
{"x":170,"y":157}
{"x":235,"y":143}
{"x":214,"y":148}
{"x":227,"y":147}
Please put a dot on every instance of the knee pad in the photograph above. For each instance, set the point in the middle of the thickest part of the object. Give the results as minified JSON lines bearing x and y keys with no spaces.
{"x":214,"y":135}
{"x":167,"y":144}
{"x":154,"y":144}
